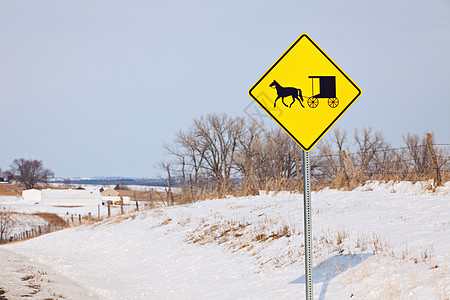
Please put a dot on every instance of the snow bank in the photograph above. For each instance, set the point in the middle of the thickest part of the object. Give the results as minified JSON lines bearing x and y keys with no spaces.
{"x":406,"y":187}
{"x":368,"y":244}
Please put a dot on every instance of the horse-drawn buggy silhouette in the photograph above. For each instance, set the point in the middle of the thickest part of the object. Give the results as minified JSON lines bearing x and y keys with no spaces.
{"x":327,"y":87}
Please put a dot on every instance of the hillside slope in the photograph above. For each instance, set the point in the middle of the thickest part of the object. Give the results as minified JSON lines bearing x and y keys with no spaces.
{"x":371,"y":243}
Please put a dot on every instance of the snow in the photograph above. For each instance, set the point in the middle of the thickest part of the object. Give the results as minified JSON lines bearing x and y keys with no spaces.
{"x":17,"y":204}
{"x":71,"y":197}
{"x":406,"y":187}
{"x":380,"y":241}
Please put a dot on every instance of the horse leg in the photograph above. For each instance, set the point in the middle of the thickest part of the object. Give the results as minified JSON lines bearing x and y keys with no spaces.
{"x":296,"y":98}
{"x":293,"y":100}
{"x":282,"y":100}
{"x":301,"y":97}
{"x":275,"y":104}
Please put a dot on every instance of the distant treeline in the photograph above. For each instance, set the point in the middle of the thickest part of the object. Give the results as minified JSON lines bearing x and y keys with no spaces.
{"x":112,"y":181}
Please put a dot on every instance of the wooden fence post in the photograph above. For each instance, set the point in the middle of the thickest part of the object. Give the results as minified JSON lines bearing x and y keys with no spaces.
{"x":169,"y":192}
{"x":349,"y":168}
{"x":135,"y":200}
{"x":432,"y":154}
{"x":151,"y":202}
{"x":109,"y":209}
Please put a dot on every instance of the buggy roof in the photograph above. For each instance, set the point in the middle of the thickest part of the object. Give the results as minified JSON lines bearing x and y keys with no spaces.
{"x":327,"y":86}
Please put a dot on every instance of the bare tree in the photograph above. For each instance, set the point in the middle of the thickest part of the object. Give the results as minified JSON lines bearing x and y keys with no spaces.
{"x":30,"y":172}
{"x":249,"y":143}
{"x":121,"y":186}
{"x":166,"y":167}
{"x":369,"y":144}
{"x":424,"y":159}
{"x":330,"y":160}
{"x":188,"y":154}
{"x":274,"y":159}
{"x":67,"y":182}
{"x":417,"y":154}
{"x":214,"y":151}
{"x":282,"y":152}
{"x":340,"y":139}
{"x":388,"y":163}
{"x":217,"y":137}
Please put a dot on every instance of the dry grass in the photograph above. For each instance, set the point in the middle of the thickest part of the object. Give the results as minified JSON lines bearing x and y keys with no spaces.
{"x":236,"y":234}
{"x":392,"y":290}
{"x":51,"y":218}
{"x":403,"y":273}
{"x":144,"y":195}
{"x":112,"y":220}
{"x":11,"y":190}
{"x":16,"y":190}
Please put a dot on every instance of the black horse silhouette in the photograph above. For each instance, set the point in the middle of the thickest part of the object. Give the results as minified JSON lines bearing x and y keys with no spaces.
{"x":283,"y":92}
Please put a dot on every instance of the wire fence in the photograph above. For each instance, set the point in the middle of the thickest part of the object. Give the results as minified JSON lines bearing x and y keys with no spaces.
{"x":384,"y":150}
{"x":431,"y":161}
{"x":35,"y":232}
{"x":62,"y":221}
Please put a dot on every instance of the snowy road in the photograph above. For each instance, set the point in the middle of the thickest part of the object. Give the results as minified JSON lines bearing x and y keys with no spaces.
{"x":21,"y":277}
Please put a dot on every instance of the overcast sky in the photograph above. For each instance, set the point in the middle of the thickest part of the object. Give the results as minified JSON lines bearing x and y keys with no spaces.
{"x":95,"y":88}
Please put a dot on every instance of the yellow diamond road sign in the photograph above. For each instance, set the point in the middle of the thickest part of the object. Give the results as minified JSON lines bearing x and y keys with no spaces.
{"x":305,"y":92}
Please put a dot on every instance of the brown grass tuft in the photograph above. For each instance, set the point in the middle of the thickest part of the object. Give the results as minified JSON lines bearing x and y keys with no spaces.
{"x":51,"y":218}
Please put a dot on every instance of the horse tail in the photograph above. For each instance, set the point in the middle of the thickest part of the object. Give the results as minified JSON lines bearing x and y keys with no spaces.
{"x":300,"y":94}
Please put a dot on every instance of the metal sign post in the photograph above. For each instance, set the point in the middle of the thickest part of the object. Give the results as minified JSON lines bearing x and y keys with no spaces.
{"x":307,"y":226}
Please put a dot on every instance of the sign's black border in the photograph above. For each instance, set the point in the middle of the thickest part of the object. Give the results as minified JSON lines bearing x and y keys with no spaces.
{"x":273,"y":117}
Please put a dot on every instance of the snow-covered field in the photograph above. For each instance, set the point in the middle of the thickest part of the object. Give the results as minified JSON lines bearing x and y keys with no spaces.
{"x":13,"y":203}
{"x":380,"y":241}
{"x":25,"y":215}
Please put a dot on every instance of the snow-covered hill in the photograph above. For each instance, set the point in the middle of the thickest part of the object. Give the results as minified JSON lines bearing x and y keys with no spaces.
{"x":381,"y":241}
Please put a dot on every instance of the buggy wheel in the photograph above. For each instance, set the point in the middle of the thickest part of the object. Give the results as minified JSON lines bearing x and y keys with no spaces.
{"x":313,"y":102}
{"x":333,"y":102}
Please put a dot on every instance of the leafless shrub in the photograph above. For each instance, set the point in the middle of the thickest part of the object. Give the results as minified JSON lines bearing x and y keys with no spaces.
{"x":249,"y":147}
{"x":369,"y":146}
{"x":121,"y":186}
{"x":5,"y":225}
{"x":418,"y":160}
